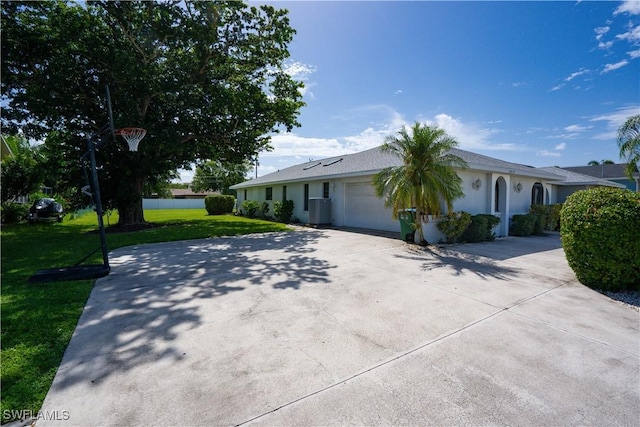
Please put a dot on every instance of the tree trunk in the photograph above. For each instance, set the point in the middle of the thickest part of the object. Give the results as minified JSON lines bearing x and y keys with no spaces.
{"x":129,"y":205}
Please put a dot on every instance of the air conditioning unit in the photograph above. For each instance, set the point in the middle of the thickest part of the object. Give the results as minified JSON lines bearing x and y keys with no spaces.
{"x":319,"y":211}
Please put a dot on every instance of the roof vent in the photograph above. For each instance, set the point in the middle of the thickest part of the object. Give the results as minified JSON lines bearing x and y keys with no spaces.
{"x":334,"y":162}
{"x":312,"y":166}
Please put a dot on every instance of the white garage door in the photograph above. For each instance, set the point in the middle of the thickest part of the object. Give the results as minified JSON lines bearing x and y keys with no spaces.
{"x":363,"y":209}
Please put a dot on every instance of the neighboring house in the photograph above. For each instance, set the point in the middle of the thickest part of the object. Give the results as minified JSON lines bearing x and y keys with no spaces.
{"x":615,"y":172}
{"x":343,"y":184}
{"x":574,"y":181}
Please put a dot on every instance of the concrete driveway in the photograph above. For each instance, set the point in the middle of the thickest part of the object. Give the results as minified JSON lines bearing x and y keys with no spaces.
{"x":328,"y":327}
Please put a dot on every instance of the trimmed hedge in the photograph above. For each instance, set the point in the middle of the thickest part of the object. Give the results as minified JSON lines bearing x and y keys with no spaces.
{"x":600,"y":230}
{"x":283,"y":211}
{"x":219,"y":204}
{"x":551,"y":215}
{"x":481,"y":228}
{"x":523,"y":225}
{"x":477,"y":230}
{"x":251,"y":208}
{"x":492,"y":221}
{"x":454,"y":224}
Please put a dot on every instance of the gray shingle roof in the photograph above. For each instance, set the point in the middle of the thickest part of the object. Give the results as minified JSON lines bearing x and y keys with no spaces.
{"x":373,"y":160}
{"x":602,"y":171}
{"x":575,"y":178}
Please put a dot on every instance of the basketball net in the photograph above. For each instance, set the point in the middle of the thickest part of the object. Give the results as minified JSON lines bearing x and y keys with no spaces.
{"x":133,"y":136}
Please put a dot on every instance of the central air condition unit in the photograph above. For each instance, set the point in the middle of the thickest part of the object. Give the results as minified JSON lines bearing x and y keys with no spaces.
{"x":319,"y":211}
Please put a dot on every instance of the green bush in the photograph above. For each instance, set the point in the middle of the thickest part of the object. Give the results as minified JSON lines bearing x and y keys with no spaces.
{"x":283,"y":210}
{"x":600,"y":230}
{"x":264,"y":209}
{"x":477,"y":230}
{"x":540,"y":224}
{"x":250,"y":208}
{"x":551,"y":215}
{"x":454,"y":224}
{"x":492,"y":221}
{"x":523,"y":225}
{"x":12,"y":213}
{"x":219,"y":204}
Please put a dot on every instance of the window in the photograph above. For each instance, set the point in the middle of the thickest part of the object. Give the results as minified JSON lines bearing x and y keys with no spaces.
{"x":537,"y":194}
{"x":497,"y":205}
{"x":306,"y":197}
{"x":284,"y":193}
{"x":325,"y":190}
{"x":245,"y":194}
{"x":269,"y":195}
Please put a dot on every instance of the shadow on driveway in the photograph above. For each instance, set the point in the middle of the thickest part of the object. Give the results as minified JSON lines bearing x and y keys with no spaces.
{"x":151,"y":296}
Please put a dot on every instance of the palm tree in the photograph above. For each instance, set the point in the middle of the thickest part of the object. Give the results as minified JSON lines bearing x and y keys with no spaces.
{"x":629,"y":143}
{"x":427,"y":178}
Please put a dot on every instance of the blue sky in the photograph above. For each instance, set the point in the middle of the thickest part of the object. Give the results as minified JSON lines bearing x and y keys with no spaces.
{"x":539,"y":83}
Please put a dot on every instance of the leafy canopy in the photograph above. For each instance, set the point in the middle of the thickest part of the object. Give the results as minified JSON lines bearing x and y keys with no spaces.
{"x":206,"y":79}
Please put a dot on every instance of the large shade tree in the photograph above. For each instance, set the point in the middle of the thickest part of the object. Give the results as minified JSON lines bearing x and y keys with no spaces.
{"x":427,"y":179}
{"x":629,"y":144}
{"x":207,"y":80}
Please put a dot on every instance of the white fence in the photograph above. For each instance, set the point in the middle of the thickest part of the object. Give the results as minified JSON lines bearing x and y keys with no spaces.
{"x":149,"y":204}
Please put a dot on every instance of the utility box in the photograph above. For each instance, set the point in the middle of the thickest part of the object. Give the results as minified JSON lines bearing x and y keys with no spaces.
{"x":319,"y":211}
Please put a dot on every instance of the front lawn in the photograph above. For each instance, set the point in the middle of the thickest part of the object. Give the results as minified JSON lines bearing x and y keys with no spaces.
{"x":38,"y":319}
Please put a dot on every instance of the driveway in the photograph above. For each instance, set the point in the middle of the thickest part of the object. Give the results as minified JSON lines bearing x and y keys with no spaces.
{"x":328,"y":327}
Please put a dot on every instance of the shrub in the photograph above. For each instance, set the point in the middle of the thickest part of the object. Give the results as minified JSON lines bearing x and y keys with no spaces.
{"x":219,"y":204}
{"x":551,"y":214}
{"x":477,"y":230}
{"x":523,"y":225}
{"x":454,"y":224}
{"x":12,"y":212}
{"x":492,"y":221}
{"x":264,"y":209}
{"x":251,"y":208}
{"x":600,"y":230}
{"x":283,"y":210}
{"x":539,"y":224}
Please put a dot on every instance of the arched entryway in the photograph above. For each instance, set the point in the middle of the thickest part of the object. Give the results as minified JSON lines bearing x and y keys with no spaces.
{"x":500,"y":206}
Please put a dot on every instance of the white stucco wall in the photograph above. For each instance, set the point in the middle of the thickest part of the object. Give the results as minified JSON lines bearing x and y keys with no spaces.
{"x":479,"y":199}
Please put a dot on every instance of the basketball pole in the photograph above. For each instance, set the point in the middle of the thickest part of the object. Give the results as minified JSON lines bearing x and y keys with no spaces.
{"x":97,"y":200}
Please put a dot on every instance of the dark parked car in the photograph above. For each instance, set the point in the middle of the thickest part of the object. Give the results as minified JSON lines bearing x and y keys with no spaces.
{"x":45,"y":210}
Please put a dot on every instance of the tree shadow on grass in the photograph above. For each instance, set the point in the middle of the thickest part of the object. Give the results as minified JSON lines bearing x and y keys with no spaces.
{"x":154,"y":294}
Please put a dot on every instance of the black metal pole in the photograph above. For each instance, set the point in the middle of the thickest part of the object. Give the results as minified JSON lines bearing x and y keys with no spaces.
{"x":98,"y":202}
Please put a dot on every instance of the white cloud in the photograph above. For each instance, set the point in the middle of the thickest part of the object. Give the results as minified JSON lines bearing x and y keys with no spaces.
{"x":614,"y":120}
{"x":555,"y":88}
{"x":632,"y":7}
{"x":610,"y":67}
{"x":601,"y":31}
{"x":291,"y":144}
{"x":577,"y":128}
{"x":398,"y":92}
{"x":299,"y":70}
{"x":561,"y":146}
{"x":580,"y":72}
{"x":518,"y":84}
{"x":634,"y":54}
{"x":633,"y":35}
{"x":469,"y":135}
{"x":547,"y":153}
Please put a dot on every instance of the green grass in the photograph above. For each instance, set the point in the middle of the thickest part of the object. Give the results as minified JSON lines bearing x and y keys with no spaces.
{"x":38,"y":319}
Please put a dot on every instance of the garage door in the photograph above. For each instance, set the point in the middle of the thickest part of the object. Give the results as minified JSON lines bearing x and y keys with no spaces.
{"x":363,"y":209}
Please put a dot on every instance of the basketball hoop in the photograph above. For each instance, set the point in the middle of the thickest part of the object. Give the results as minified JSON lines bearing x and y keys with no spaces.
{"x":133,"y":136}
